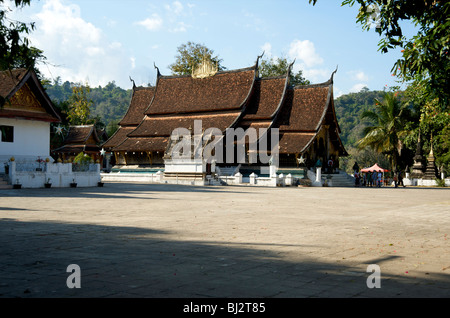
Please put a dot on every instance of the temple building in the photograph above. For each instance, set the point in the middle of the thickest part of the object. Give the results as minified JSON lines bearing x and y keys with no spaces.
{"x":303,"y":117}
{"x":81,"y":138}
{"x":133,"y":157}
{"x":25,"y":117}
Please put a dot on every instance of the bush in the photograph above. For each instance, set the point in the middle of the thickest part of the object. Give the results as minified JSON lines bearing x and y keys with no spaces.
{"x":304,"y":182}
{"x":440,"y":182}
{"x":82,"y":158}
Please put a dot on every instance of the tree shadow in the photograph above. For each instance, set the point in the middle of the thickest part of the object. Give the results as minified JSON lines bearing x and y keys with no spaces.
{"x":120,"y":261}
{"x":114,"y":190}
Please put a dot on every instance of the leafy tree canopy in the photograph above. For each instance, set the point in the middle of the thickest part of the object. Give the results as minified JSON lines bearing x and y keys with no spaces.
{"x":80,"y":105}
{"x":191,"y":54}
{"x":280,"y":66}
{"x":16,"y":51}
{"x":425,"y":56}
{"x":14,"y":45}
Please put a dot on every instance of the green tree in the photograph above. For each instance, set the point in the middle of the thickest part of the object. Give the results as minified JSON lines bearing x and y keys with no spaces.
{"x":425,"y":61}
{"x":388,"y":127}
{"x":434,"y":124}
{"x":280,"y":66}
{"x":191,"y":54}
{"x":15,"y":47}
{"x":425,"y":56}
{"x":80,"y":105}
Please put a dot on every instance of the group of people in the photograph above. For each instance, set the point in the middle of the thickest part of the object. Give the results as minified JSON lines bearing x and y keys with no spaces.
{"x":330,"y":166}
{"x":368,"y":179}
{"x":374,"y":178}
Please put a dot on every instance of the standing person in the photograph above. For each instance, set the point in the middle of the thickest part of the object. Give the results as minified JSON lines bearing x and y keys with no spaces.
{"x":400,"y":178}
{"x":369,"y":179}
{"x":355,"y":167}
{"x":374,"y":178}
{"x":318,"y":163}
{"x":356,"y":178}
{"x":379,"y":179}
{"x":395,"y":179}
{"x":330,"y":165}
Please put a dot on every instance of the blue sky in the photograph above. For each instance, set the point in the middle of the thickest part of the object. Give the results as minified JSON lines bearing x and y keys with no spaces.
{"x":99,"y":41}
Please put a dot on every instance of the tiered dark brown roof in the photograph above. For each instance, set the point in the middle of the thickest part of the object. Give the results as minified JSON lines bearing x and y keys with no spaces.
{"x":143,"y":144}
{"x":180,"y":100}
{"x":140,"y":100}
{"x":163,"y":126}
{"x":80,"y":138}
{"x":11,"y":81}
{"x":184,"y":94}
{"x":229,"y":99}
{"x":305,"y":110}
{"x":267,"y":98}
{"x":80,"y":134}
{"x":118,"y":137}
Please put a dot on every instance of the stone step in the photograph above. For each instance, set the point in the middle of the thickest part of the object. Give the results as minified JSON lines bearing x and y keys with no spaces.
{"x":341,"y":180}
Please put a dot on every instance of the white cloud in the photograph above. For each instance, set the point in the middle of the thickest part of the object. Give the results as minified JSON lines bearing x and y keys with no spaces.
{"x":181,"y":27}
{"x":76,"y":50}
{"x":337,"y":92}
{"x":171,"y":16}
{"x":316,"y":75}
{"x":357,"y":87}
{"x":358,"y":76}
{"x":153,"y":23}
{"x":176,"y":7}
{"x":305,"y":52}
{"x":307,"y":60}
{"x":267,"y":49}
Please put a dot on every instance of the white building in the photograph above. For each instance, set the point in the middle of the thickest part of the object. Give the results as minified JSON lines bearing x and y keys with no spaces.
{"x":25,"y":115}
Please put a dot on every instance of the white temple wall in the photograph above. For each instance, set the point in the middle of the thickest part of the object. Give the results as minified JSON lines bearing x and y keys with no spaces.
{"x":31,"y":140}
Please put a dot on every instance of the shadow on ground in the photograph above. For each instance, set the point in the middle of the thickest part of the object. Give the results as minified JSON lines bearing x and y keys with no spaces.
{"x":120,"y":261}
{"x":110,"y":191}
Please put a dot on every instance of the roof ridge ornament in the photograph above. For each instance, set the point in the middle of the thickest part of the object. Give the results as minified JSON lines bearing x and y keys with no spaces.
{"x":332,"y":74}
{"x":132,"y":80}
{"x":290,"y":67}
{"x":157,"y":70}
{"x":206,"y":68}
{"x":260,"y":57}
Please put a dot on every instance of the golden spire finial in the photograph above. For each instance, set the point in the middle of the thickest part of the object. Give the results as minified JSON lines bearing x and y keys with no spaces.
{"x":205,"y":69}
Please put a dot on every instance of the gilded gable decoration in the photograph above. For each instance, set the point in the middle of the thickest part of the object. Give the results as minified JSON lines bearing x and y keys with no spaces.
{"x":26,"y":100}
{"x":205,"y":69}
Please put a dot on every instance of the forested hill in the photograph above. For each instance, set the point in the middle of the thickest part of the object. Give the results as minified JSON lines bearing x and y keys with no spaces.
{"x":111,"y":102}
{"x":348,"y":111}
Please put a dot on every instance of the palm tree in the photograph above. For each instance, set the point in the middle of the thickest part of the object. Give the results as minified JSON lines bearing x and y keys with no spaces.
{"x":388,"y":129}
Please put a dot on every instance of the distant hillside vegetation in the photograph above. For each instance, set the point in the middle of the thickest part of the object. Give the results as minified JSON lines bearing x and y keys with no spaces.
{"x":348,"y":111}
{"x":110,"y":102}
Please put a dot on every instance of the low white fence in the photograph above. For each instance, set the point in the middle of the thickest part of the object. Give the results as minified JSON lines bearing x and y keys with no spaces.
{"x":57,"y":174}
{"x":237,"y":179}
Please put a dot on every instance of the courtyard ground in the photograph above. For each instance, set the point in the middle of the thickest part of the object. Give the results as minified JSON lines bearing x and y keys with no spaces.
{"x":161,"y":241}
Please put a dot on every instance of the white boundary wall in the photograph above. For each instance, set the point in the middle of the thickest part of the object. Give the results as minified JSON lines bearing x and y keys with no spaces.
{"x":58,"y":174}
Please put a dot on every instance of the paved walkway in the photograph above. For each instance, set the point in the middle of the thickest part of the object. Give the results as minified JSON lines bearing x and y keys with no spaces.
{"x":143,"y":240}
